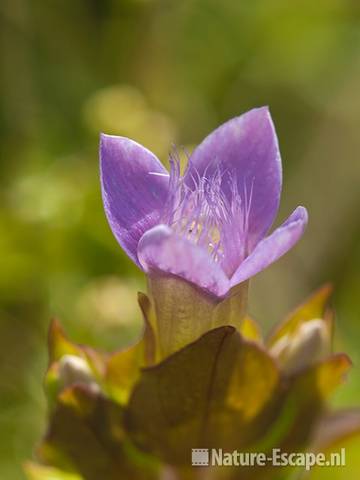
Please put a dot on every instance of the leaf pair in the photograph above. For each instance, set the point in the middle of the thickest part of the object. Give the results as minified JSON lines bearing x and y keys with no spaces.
{"x":127,"y":414}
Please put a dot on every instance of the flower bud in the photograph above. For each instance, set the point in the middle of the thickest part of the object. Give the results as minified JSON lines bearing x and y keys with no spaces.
{"x":307,"y":345}
{"x":73,"y":369}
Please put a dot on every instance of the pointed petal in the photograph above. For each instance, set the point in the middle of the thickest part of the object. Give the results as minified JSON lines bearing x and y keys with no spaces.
{"x":163,"y":251}
{"x":273,"y":247}
{"x":134,"y":188}
{"x":246,"y":147}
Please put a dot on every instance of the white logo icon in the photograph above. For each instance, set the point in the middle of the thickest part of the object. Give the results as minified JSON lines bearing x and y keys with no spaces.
{"x":200,"y":457}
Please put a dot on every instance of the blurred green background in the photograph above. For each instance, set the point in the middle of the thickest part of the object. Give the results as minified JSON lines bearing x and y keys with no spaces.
{"x":161,"y":72}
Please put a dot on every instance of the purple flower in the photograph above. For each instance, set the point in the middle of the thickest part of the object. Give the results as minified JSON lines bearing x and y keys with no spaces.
{"x":208,"y":226}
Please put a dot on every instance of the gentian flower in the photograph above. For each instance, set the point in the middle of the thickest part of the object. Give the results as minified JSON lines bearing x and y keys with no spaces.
{"x":209,"y":226}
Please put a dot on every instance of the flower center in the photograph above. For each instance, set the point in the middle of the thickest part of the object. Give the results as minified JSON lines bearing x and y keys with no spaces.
{"x":210,"y":211}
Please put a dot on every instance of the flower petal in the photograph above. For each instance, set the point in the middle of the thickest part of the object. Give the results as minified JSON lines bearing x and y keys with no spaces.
{"x":134,"y":188}
{"x":162,"y":250}
{"x":247,"y":148}
{"x":272,"y":247}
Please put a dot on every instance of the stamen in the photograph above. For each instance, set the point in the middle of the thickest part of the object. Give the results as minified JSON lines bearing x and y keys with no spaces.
{"x":210,"y":212}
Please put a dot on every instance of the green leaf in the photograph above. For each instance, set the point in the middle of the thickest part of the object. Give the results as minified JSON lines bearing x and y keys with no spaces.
{"x":214,"y":392}
{"x":223,"y":391}
{"x":150,"y":336}
{"x":250,"y":329}
{"x":86,"y":437}
{"x":304,"y":400}
{"x":312,"y":308}
{"x":122,"y":371}
{"x":114,"y":373}
{"x":58,"y":375}
{"x":35,"y":471}
{"x":59,"y":343}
